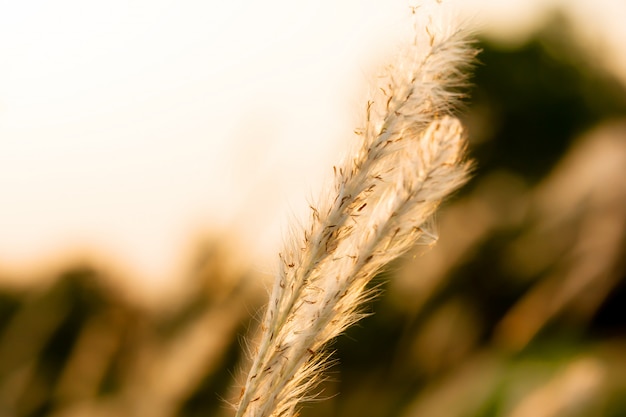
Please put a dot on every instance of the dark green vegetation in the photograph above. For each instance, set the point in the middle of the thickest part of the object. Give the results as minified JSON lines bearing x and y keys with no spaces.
{"x":519,"y":308}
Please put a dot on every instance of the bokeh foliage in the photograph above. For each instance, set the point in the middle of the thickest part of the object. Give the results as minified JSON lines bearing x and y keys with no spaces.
{"x":517,"y":312}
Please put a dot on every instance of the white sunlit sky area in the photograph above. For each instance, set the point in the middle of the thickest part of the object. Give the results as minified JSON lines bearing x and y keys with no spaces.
{"x":128,"y":129}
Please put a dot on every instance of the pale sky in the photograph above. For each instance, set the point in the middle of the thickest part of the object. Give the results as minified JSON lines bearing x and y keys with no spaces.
{"x":130,"y":128}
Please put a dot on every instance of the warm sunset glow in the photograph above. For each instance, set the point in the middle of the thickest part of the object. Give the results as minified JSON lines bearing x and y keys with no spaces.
{"x":128,"y":129}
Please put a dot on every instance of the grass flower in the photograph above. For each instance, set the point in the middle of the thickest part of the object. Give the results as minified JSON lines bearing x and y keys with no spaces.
{"x":410,"y":156}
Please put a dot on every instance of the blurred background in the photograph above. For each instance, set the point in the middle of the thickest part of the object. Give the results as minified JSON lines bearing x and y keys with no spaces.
{"x":153,"y":153}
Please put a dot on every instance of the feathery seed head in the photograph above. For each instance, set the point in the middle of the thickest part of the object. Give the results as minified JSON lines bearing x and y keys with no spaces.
{"x":410,"y":157}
